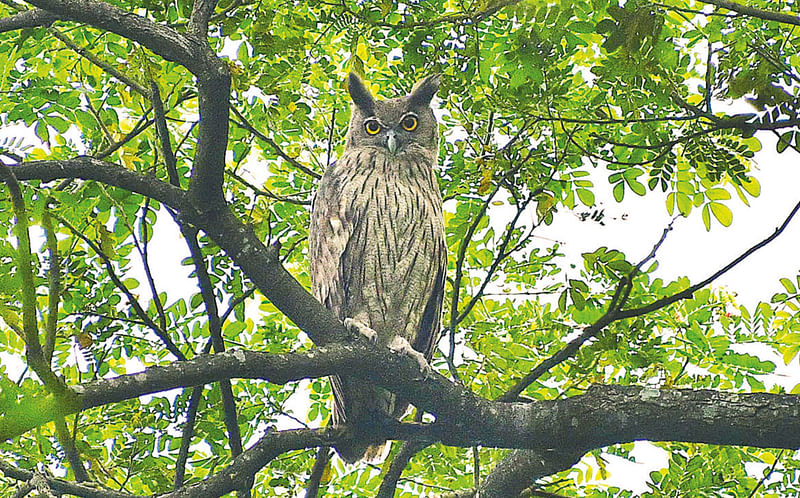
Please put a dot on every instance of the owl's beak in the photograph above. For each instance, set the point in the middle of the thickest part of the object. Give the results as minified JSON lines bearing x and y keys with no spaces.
{"x":391,"y":141}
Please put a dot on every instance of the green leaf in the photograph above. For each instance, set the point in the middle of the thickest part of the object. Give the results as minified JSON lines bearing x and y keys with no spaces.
{"x":619,"y":191}
{"x":586,"y":197}
{"x":788,"y":285}
{"x":722,"y":213}
{"x":784,"y":141}
{"x":716,"y":194}
{"x":707,"y":216}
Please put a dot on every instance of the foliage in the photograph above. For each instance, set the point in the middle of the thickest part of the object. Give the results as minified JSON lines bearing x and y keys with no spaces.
{"x":537,"y":98}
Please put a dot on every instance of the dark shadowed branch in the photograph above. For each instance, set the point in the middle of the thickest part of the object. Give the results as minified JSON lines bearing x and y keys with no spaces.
{"x":399,"y":463}
{"x":324,"y":454}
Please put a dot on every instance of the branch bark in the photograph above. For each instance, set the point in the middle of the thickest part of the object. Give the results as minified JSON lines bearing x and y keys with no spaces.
{"x":604,"y":415}
{"x":766,"y":15}
{"x":33,"y":18}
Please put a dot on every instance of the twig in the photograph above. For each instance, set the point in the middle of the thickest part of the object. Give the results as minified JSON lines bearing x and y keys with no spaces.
{"x":266,"y":192}
{"x":687,"y":293}
{"x":108,"y":68}
{"x":244,"y":123}
{"x":766,"y":475}
{"x":612,"y":314}
{"x":324,"y":455}
{"x":186,"y":436}
{"x":137,"y":308}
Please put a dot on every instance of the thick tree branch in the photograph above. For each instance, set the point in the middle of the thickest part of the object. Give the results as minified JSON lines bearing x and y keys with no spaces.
{"x":604,"y":415}
{"x":766,"y":15}
{"x":33,"y":18}
{"x":201,"y":13}
{"x":192,"y":52}
{"x":89,"y":168}
{"x":245,"y":466}
{"x":62,"y":486}
{"x":324,"y":454}
{"x":516,"y":472}
{"x":398,"y":465}
{"x":186,"y":436}
{"x":162,"y":40}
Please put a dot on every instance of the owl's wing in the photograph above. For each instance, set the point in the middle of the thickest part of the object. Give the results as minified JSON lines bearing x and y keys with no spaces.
{"x":328,"y":239}
{"x":430,"y":326}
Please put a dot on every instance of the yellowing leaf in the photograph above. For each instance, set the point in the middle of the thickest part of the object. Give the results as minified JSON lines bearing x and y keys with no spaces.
{"x":107,"y":241}
{"x":10,"y":316}
{"x":722,"y":213}
{"x":486,"y":180}
{"x":752,"y":187}
{"x":361,"y":51}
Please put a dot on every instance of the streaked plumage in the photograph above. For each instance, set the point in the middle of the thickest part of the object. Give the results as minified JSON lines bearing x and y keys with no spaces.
{"x":377,"y":247}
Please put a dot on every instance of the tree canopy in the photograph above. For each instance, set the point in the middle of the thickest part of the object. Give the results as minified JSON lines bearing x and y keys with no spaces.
{"x":211,"y":122}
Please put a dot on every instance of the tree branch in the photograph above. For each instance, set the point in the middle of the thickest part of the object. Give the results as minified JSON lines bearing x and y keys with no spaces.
{"x":162,"y":40}
{"x":322,"y":460}
{"x":615,"y":313}
{"x":62,"y":486}
{"x":766,"y":15}
{"x":512,"y":475}
{"x":625,"y":413}
{"x":33,"y":18}
{"x":398,"y":465}
{"x":201,"y":13}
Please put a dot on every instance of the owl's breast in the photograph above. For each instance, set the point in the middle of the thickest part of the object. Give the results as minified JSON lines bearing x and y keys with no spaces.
{"x":396,"y":244}
{"x":399,"y":193}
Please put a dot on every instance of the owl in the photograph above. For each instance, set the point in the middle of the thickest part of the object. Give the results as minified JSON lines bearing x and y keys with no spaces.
{"x":377,"y":247}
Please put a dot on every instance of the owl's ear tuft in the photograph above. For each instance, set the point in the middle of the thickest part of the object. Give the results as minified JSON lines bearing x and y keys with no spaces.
{"x":360,"y":94}
{"x":424,"y":90}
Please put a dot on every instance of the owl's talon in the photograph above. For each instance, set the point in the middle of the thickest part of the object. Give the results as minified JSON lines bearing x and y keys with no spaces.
{"x":400,"y":345}
{"x":357,"y":327}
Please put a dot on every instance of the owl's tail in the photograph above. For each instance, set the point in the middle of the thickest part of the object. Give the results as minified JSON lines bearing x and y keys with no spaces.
{"x":377,"y":452}
{"x":354,"y":451}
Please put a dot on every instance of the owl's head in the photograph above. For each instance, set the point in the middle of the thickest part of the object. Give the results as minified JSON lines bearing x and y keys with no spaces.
{"x":397,"y":125}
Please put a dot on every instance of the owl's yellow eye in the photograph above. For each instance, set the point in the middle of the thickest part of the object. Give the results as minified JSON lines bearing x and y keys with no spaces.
{"x":372,"y":127}
{"x":409,"y":123}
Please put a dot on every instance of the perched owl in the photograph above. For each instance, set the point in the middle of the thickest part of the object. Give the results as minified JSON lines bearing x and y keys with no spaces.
{"x":378,"y":254}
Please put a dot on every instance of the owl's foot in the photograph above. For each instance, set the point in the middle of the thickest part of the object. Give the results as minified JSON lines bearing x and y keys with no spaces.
{"x":401,"y":345}
{"x":359,"y":328}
